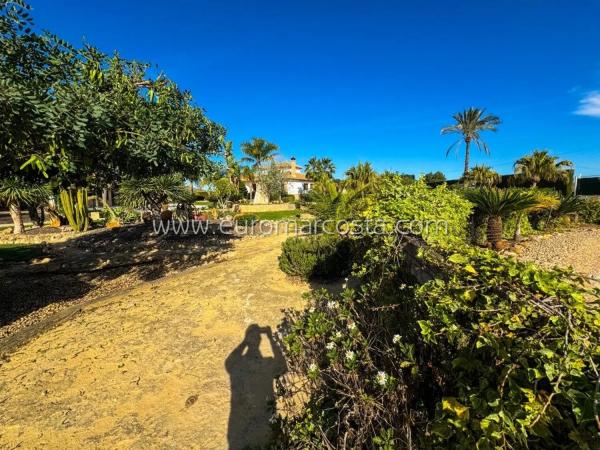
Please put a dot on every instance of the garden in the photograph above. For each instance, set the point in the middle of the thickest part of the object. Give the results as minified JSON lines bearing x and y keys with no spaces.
{"x":437,"y":313}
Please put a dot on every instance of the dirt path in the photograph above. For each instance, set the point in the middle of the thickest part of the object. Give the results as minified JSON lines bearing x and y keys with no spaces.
{"x":146,"y":368}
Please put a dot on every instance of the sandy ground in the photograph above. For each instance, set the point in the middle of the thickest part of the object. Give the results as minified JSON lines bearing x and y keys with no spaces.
{"x":578,"y":248}
{"x":173,"y":363}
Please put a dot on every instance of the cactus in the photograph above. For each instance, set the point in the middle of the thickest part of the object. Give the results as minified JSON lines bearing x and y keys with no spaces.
{"x":75,"y":209}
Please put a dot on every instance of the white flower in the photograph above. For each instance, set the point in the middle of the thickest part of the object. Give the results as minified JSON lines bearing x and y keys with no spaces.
{"x":381,"y":378}
{"x":345,"y":285}
{"x":313,"y":368}
{"x":330,"y":346}
{"x":338,"y":334}
{"x":396,"y":339}
{"x":350,"y":355}
{"x":311,"y":309}
{"x":332,"y":305}
{"x":352,"y":326}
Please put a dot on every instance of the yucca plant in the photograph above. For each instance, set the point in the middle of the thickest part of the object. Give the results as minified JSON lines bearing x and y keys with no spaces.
{"x":497,"y":204}
{"x":74,"y":205}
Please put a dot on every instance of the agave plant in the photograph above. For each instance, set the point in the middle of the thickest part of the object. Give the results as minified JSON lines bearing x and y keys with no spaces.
{"x":497,"y":204}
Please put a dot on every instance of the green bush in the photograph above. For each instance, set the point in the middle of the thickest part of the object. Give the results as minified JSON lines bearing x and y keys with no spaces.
{"x":288,"y":199}
{"x":445,"y":210}
{"x":589,"y":211}
{"x":490,"y":353}
{"x":318,"y":256}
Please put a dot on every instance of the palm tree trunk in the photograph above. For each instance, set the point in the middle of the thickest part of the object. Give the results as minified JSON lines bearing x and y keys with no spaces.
{"x":15,"y":214}
{"x":494,"y":230}
{"x":467,"y":156}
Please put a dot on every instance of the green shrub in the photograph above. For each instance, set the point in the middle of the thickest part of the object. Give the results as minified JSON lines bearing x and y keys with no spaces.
{"x":492,"y":353}
{"x":510,"y":224}
{"x":446,"y":210}
{"x":318,"y":256}
{"x":288,"y":199}
{"x":589,"y":211}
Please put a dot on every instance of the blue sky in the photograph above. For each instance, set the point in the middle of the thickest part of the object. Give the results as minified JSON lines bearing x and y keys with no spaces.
{"x":368,"y":80}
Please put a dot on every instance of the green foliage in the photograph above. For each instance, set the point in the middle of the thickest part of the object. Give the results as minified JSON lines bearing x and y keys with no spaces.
{"x":491,"y":353}
{"x":510,"y":224}
{"x":360,"y":176}
{"x":434,"y":177}
{"x":288,"y":199}
{"x":276,"y":215}
{"x":469,"y":124}
{"x":482,"y":176}
{"x":442,"y":212}
{"x":74,"y":206}
{"x":18,"y":191}
{"x":318,"y":168}
{"x":317,"y":256}
{"x":223,"y":190}
{"x":273,"y":182}
{"x":258,"y":152}
{"x":589,"y":210}
{"x":541,"y":166}
{"x":153,"y":192}
{"x":85,"y":118}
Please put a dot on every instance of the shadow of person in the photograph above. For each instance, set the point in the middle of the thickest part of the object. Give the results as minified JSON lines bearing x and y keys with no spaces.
{"x":251,"y":375}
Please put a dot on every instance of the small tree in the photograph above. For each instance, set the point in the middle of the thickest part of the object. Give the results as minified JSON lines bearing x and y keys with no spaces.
{"x":223,"y":191}
{"x":152,"y":193}
{"x":15,"y":193}
{"x":273,"y":182}
{"x":434,"y":177}
{"x":496,"y":204}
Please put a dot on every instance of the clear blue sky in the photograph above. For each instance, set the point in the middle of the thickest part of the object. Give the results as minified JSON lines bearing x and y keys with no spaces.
{"x":368,"y":80}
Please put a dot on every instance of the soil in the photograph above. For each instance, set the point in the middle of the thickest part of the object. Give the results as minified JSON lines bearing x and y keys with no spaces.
{"x":578,"y":248}
{"x":146,"y":367}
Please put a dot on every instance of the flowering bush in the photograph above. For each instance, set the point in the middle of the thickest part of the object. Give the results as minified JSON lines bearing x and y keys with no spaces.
{"x":489,"y":353}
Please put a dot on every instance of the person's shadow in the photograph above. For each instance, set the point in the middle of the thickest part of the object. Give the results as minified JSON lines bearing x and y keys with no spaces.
{"x":252,"y":396}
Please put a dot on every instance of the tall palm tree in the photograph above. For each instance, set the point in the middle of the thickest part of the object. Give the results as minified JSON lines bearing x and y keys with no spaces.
{"x":317,"y":168}
{"x":15,"y":193}
{"x":258,"y":152}
{"x":496,"y":204}
{"x":360,"y":175}
{"x":541,"y":166}
{"x":470,"y":123}
{"x":483,"y":176}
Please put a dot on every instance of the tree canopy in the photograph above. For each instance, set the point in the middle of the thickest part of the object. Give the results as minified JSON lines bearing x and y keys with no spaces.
{"x":85,"y":118}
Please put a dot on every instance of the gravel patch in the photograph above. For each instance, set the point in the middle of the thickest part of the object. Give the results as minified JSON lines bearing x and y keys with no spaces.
{"x":578,"y":248}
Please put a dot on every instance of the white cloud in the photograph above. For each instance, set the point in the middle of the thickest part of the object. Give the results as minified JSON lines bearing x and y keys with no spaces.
{"x":589,"y":105}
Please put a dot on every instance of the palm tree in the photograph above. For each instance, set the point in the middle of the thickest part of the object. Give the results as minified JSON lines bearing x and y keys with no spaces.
{"x":496,"y":204}
{"x":14,"y":193}
{"x":470,"y":123}
{"x":483,"y":176}
{"x":541,"y":166}
{"x":360,"y":175}
{"x":258,"y":152}
{"x":317,"y":168}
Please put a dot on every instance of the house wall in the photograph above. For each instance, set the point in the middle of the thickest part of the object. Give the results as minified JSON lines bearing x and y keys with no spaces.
{"x":296,"y":187}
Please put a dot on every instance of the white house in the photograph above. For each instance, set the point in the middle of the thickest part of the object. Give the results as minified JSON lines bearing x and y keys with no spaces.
{"x":295,"y":182}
